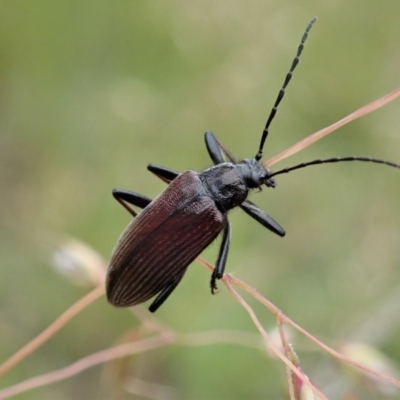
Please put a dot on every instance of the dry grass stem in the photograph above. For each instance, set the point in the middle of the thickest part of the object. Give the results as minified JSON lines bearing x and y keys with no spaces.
{"x":269,"y":341}
{"x":100,"y":357}
{"x":51,"y":330}
{"x":139,"y":346}
{"x":375,"y":105}
{"x":286,"y":319}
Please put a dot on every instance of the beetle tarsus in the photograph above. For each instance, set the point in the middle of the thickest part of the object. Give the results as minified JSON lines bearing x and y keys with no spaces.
{"x":213,"y":283}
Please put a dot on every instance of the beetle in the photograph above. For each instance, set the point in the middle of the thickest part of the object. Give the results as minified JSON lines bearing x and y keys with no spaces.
{"x":156,"y":248}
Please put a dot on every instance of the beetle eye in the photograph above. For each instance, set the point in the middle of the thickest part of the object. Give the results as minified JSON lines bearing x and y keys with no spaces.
{"x":256,"y":179}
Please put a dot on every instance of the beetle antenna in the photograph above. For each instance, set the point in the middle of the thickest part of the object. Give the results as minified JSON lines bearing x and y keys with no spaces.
{"x":282,"y":91}
{"x":334,"y":160}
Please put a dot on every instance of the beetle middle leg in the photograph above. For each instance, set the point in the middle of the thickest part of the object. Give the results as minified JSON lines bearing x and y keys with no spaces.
{"x":166,"y":174}
{"x":136,"y":199}
{"x":159,"y":300}
{"x":219,"y":269}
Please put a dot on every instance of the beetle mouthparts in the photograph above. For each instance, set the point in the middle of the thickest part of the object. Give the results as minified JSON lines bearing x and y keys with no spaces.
{"x":269,"y":182}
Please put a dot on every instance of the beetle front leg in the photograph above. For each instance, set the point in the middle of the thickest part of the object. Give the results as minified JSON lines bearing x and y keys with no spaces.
{"x":159,"y":300}
{"x":166,"y":174}
{"x":136,"y":199}
{"x":260,"y":216}
{"x":219,"y":269}
{"x":216,"y":149}
{"x":213,"y":148}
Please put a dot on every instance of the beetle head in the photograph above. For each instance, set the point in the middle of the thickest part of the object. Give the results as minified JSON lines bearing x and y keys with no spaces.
{"x":255,"y":174}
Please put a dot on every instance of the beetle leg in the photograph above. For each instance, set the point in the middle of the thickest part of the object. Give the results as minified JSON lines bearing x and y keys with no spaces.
{"x":159,"y":300}
{"x":136,"y":199}
{"x":219,"y":269}
{"x":216,"y":149}
{"x":213,"y":148}
{"x":166,"y":174}
{"x":260,"y":216}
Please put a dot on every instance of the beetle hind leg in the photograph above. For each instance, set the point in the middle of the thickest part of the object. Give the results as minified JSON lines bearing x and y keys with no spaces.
{"x":219,"y":269}
{"x":159,"y":300}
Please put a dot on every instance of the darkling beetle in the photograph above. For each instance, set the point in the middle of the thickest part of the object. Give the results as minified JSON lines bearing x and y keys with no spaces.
{"x":156,"y":248}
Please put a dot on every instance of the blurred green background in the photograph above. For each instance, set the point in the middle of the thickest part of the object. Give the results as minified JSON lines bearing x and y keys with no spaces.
{"x":92,"y":91}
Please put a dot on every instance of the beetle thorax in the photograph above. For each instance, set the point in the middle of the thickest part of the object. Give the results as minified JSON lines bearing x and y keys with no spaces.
{"x":226,"y":185}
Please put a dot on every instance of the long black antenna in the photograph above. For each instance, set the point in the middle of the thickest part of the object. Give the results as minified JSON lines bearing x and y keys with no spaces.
{"x":282,"y":91}
{"x":334,"y":160}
